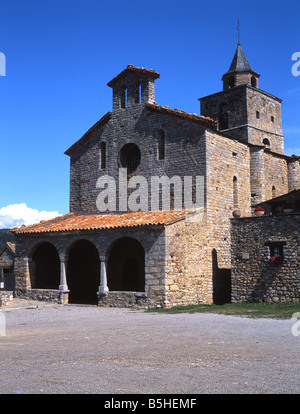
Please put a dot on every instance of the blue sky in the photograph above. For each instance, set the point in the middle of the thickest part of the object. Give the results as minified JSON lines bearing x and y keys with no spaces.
{"x":61,"y":54}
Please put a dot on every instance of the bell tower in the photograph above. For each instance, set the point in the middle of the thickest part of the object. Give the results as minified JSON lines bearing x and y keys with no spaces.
{"x":240,"y":71}
{"x":244,"y":111}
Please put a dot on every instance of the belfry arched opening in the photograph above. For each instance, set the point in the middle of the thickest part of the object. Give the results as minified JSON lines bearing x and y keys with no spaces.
{"x":83,"y":273}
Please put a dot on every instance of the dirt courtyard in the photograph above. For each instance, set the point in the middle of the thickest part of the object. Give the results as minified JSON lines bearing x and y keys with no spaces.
{"x":63,"y":349}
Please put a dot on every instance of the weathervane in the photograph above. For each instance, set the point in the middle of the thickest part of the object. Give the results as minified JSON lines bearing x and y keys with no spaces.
{"x":238,"y":29}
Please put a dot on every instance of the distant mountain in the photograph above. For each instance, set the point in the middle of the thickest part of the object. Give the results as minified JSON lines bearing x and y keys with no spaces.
{"x":5,"y":236}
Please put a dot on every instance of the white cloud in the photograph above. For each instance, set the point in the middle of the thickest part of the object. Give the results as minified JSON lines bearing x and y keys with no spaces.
{"x":14,"y":215}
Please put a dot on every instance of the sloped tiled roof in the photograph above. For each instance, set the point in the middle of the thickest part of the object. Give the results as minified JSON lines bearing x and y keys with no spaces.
{"x":75,"y":221}
{"x":130,"y":68}
{"x":206,"y":121}
{"x":239,"y":62}
{"x":88,"y":134}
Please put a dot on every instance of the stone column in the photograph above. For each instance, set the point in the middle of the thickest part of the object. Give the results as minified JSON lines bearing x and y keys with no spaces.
{"x":103,"y":288}
{"x":63,"y":278}
{"x":1,"y":278}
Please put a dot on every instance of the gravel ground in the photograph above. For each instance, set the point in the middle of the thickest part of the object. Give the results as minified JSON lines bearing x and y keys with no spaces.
{"x":63,"y":349}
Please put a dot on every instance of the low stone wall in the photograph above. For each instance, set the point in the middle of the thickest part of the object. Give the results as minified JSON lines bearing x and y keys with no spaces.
{"x":124,"y":300}
{"x":45,"y":295}
{"x":254,"y":277}
{"x":6,"y":297}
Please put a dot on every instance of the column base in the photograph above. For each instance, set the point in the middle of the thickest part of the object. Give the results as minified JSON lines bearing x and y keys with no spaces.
{"x":103,"y":290}
{"x":63,"y":288}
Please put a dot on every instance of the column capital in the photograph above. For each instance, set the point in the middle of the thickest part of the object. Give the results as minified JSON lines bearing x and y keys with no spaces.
{"x":63,"y":257}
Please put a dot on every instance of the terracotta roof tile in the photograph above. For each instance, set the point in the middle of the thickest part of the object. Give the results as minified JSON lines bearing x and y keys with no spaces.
{"x":74,"y":221}
{"x":130,"y":68}
{"x":209,"y":122}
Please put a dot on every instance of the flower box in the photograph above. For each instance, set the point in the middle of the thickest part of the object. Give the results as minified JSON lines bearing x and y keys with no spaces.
{"x":259,"y":211}
{"x":276,"y":260}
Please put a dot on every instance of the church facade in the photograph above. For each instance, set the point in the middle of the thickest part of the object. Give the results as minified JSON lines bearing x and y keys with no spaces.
{"x":121,"y":246}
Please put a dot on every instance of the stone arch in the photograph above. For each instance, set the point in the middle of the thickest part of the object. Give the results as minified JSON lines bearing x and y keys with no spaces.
{"x":231,"y":82}
{"x":83,"y":272}
{"x":126,"y":265}
{"x":253,"y":81}
{"x":44,"y":266}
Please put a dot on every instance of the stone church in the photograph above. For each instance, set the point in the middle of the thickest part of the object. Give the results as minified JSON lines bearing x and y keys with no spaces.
{"x":160,"y":255}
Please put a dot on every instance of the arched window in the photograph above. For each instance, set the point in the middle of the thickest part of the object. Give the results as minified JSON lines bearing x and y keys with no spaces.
{"x":254,"y":82}
{"x":231,"y":82}
{"x":266,"y":142}
{"x":161,"y":144}
{"x":130,"y":157}
{"x":223,"y":116}
{"x":235,"y":192}
{"x":273,"y":192}
{"x":103,"y":155}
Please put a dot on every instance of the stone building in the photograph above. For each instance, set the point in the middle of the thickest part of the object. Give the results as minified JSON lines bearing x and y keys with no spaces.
{"x":147,"y":249}
{"x":7,"y":255}
{"x":266,"y":252}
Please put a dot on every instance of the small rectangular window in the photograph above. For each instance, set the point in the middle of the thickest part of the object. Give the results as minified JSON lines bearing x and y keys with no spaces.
{"x":161,"y":144}
{"x":257,"y":114}
{"x":276,"y":252}
{"x":124,"y":97}
{"x":272,"y":119}
{"x":103,"y":156}
{"x":138,"y":93}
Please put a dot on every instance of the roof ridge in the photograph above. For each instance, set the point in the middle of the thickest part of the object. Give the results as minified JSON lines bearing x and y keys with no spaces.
{"x":131,"y":68}
{"x":41,"y":223}
{"x":86,"y":222}
{"x":184,"y":114}
{"x":102,"y":121}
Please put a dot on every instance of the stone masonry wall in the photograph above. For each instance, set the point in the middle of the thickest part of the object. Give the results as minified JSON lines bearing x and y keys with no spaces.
{"x":184,"y":153}
{"x":235,"y":98}
{"x":275,"y":175}
{"x":254,"y":278}
{"x":226,"y":159}
{"x":188,"y":278}
{"x":253,"y":115}
{"x":264,"y":119}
